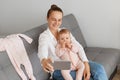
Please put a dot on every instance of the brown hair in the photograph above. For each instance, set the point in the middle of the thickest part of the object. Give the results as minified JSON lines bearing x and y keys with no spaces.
{"x":53,"y":8}
{"x":63,"y":31}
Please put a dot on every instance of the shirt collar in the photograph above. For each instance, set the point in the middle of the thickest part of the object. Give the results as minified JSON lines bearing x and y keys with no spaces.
{"x":50,"y":33}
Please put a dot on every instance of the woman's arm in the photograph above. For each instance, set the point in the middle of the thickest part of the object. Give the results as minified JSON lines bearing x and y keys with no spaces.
{"x":81,"y":52}
{"x":43,"y":52}
{"x":83,"y":58}
{"x":86,"y":71}
{"x":60,"y":50}
{"x":43,"y":47}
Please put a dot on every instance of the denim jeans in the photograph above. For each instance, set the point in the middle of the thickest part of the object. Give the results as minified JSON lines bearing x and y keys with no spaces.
{"x":97,"y":72}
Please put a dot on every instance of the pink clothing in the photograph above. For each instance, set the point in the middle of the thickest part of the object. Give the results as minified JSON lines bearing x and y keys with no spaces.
{"x":73,"y":56}
{"x":70,"y":55}
{"x":14,"y":46}
{"x":79,"y":72}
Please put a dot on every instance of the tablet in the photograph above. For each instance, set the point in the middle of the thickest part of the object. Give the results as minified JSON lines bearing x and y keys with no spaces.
{"x":61,"y":65}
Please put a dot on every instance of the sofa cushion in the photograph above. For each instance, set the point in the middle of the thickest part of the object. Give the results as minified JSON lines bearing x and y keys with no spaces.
{"x":32,"y":50}
{"x":7,"y":71}
{"x":108,"y":57}
{"x":4,"y":60}
{"x":2,"y":75}
{"x":10,"y":73}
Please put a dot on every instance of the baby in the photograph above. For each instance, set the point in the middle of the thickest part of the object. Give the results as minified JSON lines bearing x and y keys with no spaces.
{"x":67,"y":50}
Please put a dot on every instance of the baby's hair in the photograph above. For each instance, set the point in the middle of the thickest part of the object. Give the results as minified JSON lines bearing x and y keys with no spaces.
{"x":53,"y":8}
{"x":63,"y":31}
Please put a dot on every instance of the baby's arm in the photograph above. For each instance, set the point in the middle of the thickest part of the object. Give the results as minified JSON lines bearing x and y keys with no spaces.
{"x":59,"y":50}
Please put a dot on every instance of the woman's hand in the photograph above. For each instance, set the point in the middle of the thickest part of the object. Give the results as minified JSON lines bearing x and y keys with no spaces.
{"x":46,"y":64}
{"x":86,"y":71}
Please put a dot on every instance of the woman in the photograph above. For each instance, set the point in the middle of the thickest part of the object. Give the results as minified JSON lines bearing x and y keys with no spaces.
{"x":46,"y":49}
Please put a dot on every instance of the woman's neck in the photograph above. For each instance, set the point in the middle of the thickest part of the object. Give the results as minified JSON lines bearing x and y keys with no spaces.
{"x":55,"y":33}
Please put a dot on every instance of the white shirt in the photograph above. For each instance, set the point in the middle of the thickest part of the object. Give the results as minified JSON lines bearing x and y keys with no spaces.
{"x":47,"y":44}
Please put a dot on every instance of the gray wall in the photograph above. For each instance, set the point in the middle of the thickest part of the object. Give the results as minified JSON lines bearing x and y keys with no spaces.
{"x":99,"y":19}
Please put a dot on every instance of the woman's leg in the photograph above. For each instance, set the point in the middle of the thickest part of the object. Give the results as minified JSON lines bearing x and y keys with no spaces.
{"x":58,"y":76}
{"x":66,"y":74}
{"x":97,"y":71}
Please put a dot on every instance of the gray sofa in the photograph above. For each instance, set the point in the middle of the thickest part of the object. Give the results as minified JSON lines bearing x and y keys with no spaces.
{"x":108,"y":57}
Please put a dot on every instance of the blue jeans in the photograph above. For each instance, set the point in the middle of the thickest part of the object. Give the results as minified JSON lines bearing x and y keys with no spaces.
{"x":97,"y":72}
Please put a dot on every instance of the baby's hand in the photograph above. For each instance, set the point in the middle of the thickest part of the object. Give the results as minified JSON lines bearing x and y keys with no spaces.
{"x":69,"y":46}
{"x":63,"y":45}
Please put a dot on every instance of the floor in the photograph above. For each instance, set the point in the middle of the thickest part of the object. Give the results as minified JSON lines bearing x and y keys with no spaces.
{"x":117,"y":75}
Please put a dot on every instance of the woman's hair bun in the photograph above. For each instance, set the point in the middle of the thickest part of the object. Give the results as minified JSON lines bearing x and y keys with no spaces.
{"x":53,"y":6}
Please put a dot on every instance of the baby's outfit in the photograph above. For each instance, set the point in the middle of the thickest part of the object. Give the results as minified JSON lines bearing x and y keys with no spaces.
{"x":76,"y":62}
{"x":16,"y":51}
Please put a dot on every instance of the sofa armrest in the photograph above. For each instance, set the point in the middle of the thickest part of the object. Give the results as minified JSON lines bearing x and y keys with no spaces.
{"x":108,"y":57}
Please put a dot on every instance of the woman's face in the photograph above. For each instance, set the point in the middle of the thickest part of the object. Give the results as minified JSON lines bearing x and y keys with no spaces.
{"x":55,"y":20}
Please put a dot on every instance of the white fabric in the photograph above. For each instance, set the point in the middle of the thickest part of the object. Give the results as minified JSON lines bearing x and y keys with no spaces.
{"x":47,"y":44}
{"x":14,"y":46}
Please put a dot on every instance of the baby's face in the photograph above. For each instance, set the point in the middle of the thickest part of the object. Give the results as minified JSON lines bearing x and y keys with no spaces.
{"x":64,"y":38}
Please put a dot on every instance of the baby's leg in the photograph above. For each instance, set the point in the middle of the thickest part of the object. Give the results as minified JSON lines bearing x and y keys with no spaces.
{"x":29,"y":70}
{"x":66,"y":74}
{"x":80,"y":70}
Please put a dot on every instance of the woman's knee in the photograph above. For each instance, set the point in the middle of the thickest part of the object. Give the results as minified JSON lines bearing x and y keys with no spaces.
{"x":96,"y":67}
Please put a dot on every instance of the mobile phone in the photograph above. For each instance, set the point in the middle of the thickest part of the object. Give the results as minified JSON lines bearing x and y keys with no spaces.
{"x":61,"y":65}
